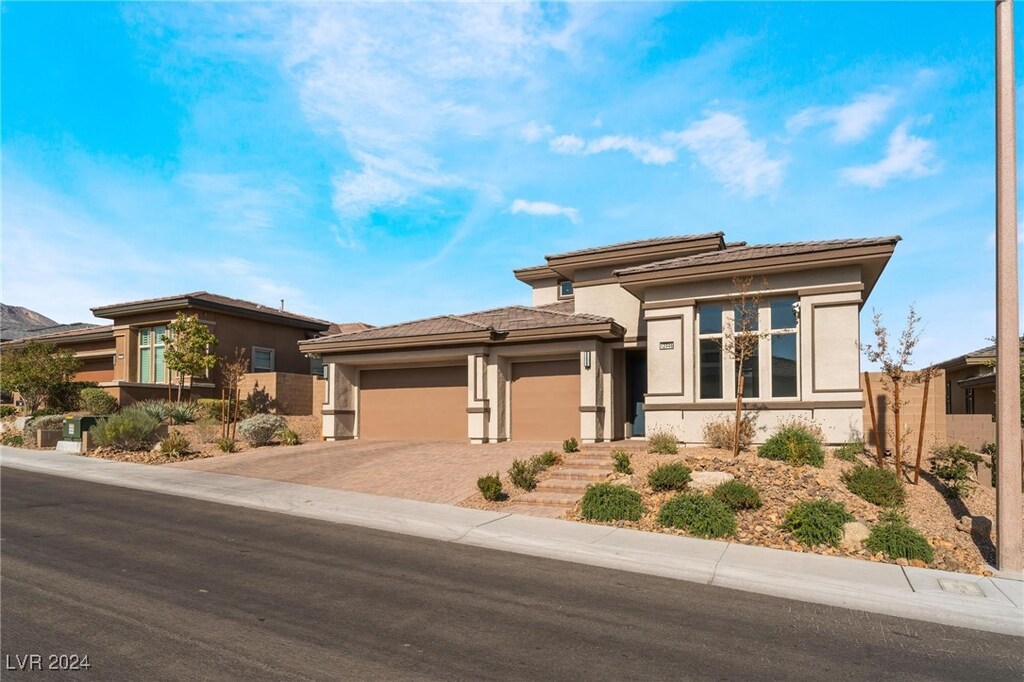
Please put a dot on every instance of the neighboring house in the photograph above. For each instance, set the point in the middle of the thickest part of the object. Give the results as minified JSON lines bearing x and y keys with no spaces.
{"x":971,"y":382}
{"x":127,"y":357}
{"x":620,"y":340}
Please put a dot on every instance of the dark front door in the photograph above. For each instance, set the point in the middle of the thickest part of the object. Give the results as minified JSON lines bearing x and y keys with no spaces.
{"x":636,"y":388}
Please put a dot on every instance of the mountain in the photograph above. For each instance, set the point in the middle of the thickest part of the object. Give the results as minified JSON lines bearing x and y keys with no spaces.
{"x":17,"y":323}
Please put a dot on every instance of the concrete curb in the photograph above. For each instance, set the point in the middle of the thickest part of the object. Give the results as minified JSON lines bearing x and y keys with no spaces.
{"x":961,"y":600}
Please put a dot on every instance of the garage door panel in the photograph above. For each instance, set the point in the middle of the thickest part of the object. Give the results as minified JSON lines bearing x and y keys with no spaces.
{"x":421,"y":403}
{"x":545,"y":400}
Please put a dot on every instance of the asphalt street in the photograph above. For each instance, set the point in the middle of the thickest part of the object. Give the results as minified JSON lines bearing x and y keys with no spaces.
{"x":158,"y":587}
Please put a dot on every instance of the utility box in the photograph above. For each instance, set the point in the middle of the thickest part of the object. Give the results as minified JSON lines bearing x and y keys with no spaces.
{"x":74,"y":426}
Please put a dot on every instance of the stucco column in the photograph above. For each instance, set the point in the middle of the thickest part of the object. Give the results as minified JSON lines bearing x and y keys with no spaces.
{"x":497,"y":398}
{"x":592,"y":406}
{"x":339,"y":412}
{"x":477,"y":407}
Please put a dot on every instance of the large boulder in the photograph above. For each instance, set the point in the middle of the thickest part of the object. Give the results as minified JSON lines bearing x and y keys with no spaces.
{"x":704,"y":480}
{"x":854,"y":535}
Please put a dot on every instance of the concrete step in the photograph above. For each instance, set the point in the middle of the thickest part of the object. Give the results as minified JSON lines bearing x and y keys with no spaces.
{"x":590,"y":463}
{"x":563,"y":485}
{"x":574,"y":474}
{"x":564,"y":500}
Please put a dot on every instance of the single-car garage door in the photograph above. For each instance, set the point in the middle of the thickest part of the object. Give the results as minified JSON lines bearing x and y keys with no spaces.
{"x":546,"y":400}
{"x":416,"y":403}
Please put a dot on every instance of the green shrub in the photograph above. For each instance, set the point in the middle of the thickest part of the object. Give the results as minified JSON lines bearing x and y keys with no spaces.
{"x":97,"y":401}
{"x":182,"y":412}
{"x":796,"y":444}
{"x":260,"y":429}
{"x":609,"y":502}
{"x":258,"y":401}
{"x":490,"y":487}
{"x":878,"y":486}
{"x":549,"y":459}
{"x":719,"y":432}
{"x":175,"y":445}
{"x":571,"y":445}
{"x":952,"y":464}
{"x":8,"y":410}
{"x":671,"y":476}
{"x":12,"y":439}
{"x":288,"y":436}
{"x":66,"y":397}
{"x":703,"y":516}
{"x":227,"y":444}
{"x":50,"y":422}
{"x":737,"y":495}
{"x":210,"y":408}
{"x":817,"y":522}
{"x":893,"y":537}
{"x":523,"y":473}
{"x":985,"y":449}
{"x":130,"y":430}
{"x":621,"y":463}
{"x":158,"y":409}
{"x":662,"y":442}
{"x":849,"y":452}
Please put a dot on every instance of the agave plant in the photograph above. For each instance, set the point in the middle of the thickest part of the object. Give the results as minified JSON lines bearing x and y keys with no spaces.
{"x":183,"y":412}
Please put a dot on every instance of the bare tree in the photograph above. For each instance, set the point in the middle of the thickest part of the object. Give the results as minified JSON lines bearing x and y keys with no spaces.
{"x":232,"y":370}
{"x":740,"y":341}
{"x":897,"y":376}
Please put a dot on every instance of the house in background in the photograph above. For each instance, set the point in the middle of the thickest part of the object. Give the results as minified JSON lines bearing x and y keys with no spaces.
{"x":126,"y":358}
{"x":971,"y":382}
{"x":620,"y":340}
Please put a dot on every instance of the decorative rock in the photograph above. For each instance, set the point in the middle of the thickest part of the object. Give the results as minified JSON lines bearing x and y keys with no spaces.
{"x":964,"y":524}
{"x":20,"y":422}
{"x":703,"y":480}
{"x":917,"y":563}
{"x":854,"y":535}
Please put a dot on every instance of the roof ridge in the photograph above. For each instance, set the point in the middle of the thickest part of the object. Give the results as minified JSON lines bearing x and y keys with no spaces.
{"x":470,"y":322}
{"x":636,"y":242}
{"x":562,"y":312}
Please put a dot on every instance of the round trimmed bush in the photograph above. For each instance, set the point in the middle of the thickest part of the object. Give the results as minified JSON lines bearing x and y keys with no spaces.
{"x":794,"y":444}
{"x":817,"y":522}
{"x":878,"y":486}
{"x":490,"y":487}
{"x":671,"y":476}
{"x":894,"y":538}
{"x":609,"y":502}
{"x":97,"y":401}
{"x":260,"y":429}
{"x":703,"y":516}
{"x":737,"y":495}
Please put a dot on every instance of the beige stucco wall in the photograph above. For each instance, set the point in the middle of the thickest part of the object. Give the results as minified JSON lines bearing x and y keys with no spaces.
{"x":611,"y":300}
{"x":545,"y":291}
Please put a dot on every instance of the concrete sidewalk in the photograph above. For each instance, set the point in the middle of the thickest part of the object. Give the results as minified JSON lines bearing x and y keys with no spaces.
{"x":991,"y":604}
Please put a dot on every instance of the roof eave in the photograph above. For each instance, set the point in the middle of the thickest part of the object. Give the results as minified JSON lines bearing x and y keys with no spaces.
{"x":111,"y":312}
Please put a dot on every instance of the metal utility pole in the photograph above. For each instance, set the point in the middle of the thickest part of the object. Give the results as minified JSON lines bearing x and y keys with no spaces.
{"x":1009,"y":541}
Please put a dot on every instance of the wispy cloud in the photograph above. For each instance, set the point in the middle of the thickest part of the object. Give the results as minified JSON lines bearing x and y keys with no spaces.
{"x":906,"y":157}
{"x":723,"y":144}
{"x":644,"y":151}
{"x":237,"y":203}
{"x":544,"y":208}
{"x":535,"y":132}
{"x":850,"y":122}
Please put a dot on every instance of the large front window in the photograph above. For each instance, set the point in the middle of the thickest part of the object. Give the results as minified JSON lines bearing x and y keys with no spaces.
{"x":151,"y":355}
{"x":774,"y":357}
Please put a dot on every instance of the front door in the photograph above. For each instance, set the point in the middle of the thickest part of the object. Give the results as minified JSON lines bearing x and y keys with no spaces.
{"x":636,"y":389}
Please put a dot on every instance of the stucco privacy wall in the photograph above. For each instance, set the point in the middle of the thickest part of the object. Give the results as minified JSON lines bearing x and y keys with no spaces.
{"x":489,"y":377}
{"x":828,"y":357}
{"x":935,"y":426}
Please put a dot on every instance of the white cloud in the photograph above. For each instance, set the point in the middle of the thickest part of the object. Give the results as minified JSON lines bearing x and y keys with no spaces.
{"x":239,"y":203}
{"x":544,"y":208}
{"x":644,"y":151}
{"x":850,"y":122}
{"x":534,"y":132}
{"x":723,"y":145}
{"x":906,"y":156}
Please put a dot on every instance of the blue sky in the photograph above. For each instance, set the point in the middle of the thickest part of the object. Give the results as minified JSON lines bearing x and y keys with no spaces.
{"x":388,"y":162}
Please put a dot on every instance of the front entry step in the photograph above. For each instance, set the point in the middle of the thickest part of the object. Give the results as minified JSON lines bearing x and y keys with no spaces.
{"x":560,"y":492}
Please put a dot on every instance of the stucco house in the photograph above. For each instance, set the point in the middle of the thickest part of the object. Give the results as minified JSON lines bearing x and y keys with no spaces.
{"x":971,"y":382}
{"x":126,"y":357}
{"x":619,"y":340}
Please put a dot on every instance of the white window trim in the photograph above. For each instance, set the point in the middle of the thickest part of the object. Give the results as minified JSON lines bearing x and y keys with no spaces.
{"x":273,"y":359}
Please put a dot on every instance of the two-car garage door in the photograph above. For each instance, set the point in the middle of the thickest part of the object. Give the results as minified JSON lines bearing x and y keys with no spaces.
{"x":413,"y":403}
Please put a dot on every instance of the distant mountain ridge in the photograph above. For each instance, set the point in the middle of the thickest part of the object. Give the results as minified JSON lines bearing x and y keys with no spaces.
{"x":17,"y":323}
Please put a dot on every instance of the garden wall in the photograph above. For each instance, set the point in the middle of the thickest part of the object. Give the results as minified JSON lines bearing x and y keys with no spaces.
{"x":973,"y":430}
{"x":294,"y":394}
{"x":910,"y":416}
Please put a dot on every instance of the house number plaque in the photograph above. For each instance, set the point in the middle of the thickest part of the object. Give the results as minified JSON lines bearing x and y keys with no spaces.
{"x":666,"y":345}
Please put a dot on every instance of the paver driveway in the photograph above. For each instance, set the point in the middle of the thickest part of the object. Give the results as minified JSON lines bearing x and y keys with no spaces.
{"x":427,"y":471}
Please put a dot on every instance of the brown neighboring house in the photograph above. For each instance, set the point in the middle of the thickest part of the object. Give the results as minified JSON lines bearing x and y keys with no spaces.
{"x":126,"y":357}
{"x":971,"y":382}
{"x":619,"y":340}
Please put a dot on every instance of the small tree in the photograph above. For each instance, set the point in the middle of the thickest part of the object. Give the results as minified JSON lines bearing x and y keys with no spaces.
{"x":35,"y":370}
{"x":232,"y":370}
{"x":897,"y":376}
{"x":187,"y":348}
{"x":740,"y":341}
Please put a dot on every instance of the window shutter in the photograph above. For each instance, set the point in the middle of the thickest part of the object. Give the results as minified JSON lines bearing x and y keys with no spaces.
{"x":158,"y":365}
{"x":144,"y":376}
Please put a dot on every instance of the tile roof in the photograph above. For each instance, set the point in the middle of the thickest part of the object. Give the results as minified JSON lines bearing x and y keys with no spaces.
{"x":217,"y":299}
{"x":62,"y":331}
{"x":986,"y":353}
{"x":346,"y":328}
{"x":508,"y":318}
{"x":755,"y":252}
{"x":637,"y":243}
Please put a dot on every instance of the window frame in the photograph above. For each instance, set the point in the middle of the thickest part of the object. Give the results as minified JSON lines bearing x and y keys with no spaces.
{"x":716,"y":337}
{"x":273,"y":360}
{"x":558,"y":289}
{"x":155,"y":341}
